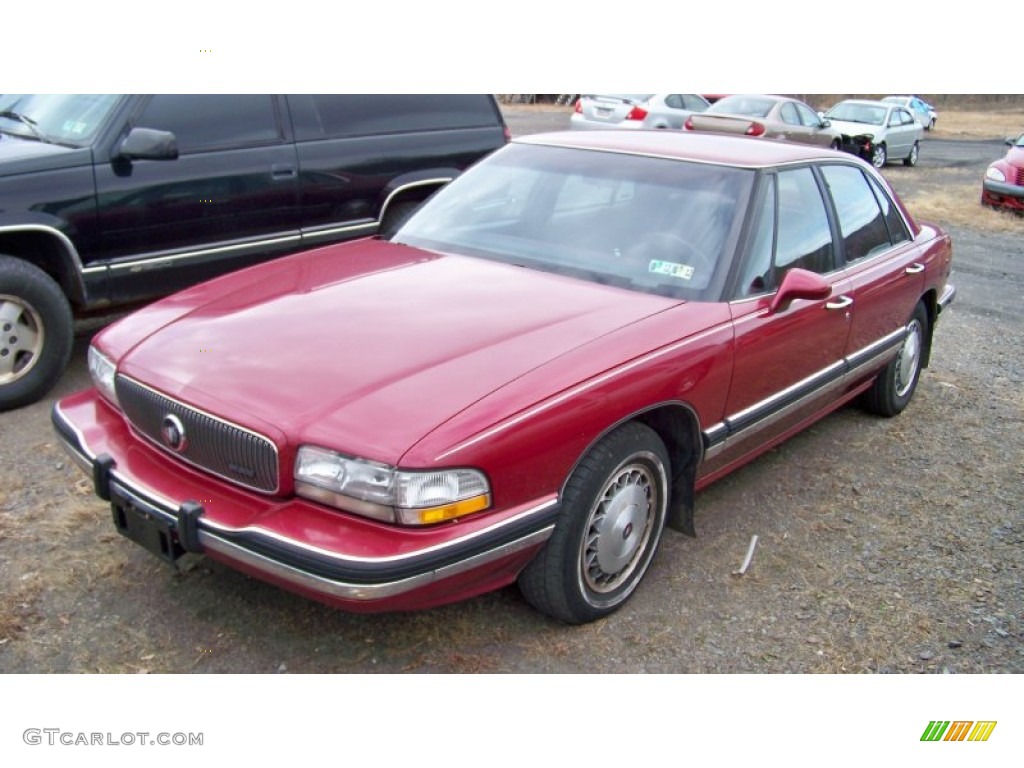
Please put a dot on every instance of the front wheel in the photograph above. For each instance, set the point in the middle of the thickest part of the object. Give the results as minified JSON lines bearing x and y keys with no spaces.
{"x":879,"y":155}
{"x":895,"y":385}
{"x":613,"y":513}
{"x":35,"y":333}
{"x":911,"y":159}
{"x":836,"y":145}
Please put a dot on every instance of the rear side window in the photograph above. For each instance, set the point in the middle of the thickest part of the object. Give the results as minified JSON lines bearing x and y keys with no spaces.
{"x":861,"y":222}
{"x":343,"y":115}
{"x":213,"y":121}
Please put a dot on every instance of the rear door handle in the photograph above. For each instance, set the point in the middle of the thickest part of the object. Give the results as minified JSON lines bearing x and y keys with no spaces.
{"x":841,"y":303}
{"x":914,"y":269}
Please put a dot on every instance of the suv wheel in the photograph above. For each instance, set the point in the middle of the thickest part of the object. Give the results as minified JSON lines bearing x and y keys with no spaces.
{"x":35,"y":333}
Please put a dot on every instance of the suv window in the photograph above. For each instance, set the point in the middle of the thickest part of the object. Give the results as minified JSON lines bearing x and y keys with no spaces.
{"x":336,"y":116}
{"x":212,"y":121}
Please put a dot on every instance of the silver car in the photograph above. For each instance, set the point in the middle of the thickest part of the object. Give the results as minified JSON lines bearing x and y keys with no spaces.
{"x":878,"y":131}
{"x":923,"y":111}
{"x":635,"y":110}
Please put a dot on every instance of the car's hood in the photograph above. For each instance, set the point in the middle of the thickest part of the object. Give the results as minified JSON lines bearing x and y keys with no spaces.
{"x":854,"y":129}
{"x":370,"y":343}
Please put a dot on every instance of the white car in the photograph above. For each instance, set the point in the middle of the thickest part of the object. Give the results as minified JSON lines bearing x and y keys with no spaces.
{"x":878,"y":131}
{"x":923,"y":111}
{"x":635,"y":110}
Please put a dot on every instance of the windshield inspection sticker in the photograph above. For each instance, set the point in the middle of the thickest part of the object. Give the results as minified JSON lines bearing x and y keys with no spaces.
{"x":681,"y":271}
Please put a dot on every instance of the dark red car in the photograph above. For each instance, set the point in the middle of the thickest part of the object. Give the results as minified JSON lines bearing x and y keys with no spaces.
{"x":528,"y":382}
{"x":1003,"y":185}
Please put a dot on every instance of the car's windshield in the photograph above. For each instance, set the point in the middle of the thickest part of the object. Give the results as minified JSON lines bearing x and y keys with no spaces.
{"x":64,"y":119}
{"x":751,"y":106}
{"x":650,"y":224}
{"x":858,"y":113}
{"x":1020,"y":140}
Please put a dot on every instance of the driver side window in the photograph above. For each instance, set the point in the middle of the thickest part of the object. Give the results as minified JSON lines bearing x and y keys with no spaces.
{"x":792,"y":230}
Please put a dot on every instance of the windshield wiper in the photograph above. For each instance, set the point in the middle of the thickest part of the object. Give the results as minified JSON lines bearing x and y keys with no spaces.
{"x":32,"y":126}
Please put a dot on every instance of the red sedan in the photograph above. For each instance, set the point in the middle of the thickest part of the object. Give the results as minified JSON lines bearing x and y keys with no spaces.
{"x":528,"y":383}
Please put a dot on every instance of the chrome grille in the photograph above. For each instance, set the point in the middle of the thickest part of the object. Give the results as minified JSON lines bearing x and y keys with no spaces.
{"x":1020,"y":176}
{"x":214,"y":445}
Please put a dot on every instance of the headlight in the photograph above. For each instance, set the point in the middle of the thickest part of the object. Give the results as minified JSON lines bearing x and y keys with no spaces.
{"x":995,"y":174}
{"x":103,"y":372}
{"x":382,"y":492}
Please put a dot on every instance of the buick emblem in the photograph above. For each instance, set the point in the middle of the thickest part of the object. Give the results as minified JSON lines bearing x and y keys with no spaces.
{"x":173,"y":433}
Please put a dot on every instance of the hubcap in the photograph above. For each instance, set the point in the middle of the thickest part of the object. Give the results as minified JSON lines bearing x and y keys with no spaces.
{"x":908,"y":360}
{"x":878,"y":156}
{"x":21,"y":338}
{"x":619,"y":528}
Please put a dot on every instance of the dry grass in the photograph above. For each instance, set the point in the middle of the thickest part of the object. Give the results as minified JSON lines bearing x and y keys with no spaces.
{"x":959,"y":205}
{"x":989,"y":124}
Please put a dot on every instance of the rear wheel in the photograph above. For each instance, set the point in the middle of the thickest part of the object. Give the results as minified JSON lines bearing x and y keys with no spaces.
{"x":35,"y":333}
{"x":895,"y":385}
{"x":613,"y":513}
{"x":911,"y":159}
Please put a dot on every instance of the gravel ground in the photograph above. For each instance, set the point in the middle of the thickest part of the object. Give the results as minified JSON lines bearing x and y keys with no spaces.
{"x":883,"y":546}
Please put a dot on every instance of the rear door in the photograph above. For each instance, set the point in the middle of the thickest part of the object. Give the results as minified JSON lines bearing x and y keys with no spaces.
{"x":885,"y":267}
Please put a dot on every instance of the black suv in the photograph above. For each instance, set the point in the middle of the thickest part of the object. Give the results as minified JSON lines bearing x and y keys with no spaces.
{"x":109,"y":200}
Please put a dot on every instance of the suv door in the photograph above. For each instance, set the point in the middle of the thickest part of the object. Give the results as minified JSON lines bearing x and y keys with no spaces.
{"x":229,"y":199}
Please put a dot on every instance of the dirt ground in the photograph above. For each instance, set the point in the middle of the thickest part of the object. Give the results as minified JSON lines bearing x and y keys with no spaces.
{"x":883,"y":546}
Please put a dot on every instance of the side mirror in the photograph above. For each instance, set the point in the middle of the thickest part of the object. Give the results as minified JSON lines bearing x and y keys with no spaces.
{"x":148,"y":144}
{"x":1009,"y":141}
{"x":800,"y":284}
{"x":825,"y":122}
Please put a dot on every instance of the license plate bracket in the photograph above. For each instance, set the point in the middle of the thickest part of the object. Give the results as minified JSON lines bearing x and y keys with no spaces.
{"x":145,"y":527}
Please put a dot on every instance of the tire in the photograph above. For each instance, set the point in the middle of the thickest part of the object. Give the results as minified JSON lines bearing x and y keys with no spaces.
{"x":36,"y":330}
{"x":879,"y":156}
{"x":613,"y":512}
{"x":895,"y":385}
{"x":911,"y":159}
{"x":394,"y":217}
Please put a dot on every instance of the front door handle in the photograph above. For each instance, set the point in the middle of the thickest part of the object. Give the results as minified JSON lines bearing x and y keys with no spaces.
{"x":841,"y":303}
{"x":914,"y":269}
{"x":282,"y":171}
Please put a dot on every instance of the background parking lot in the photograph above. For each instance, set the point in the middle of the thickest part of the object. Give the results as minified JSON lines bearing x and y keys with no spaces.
{"x":884,"y":545}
